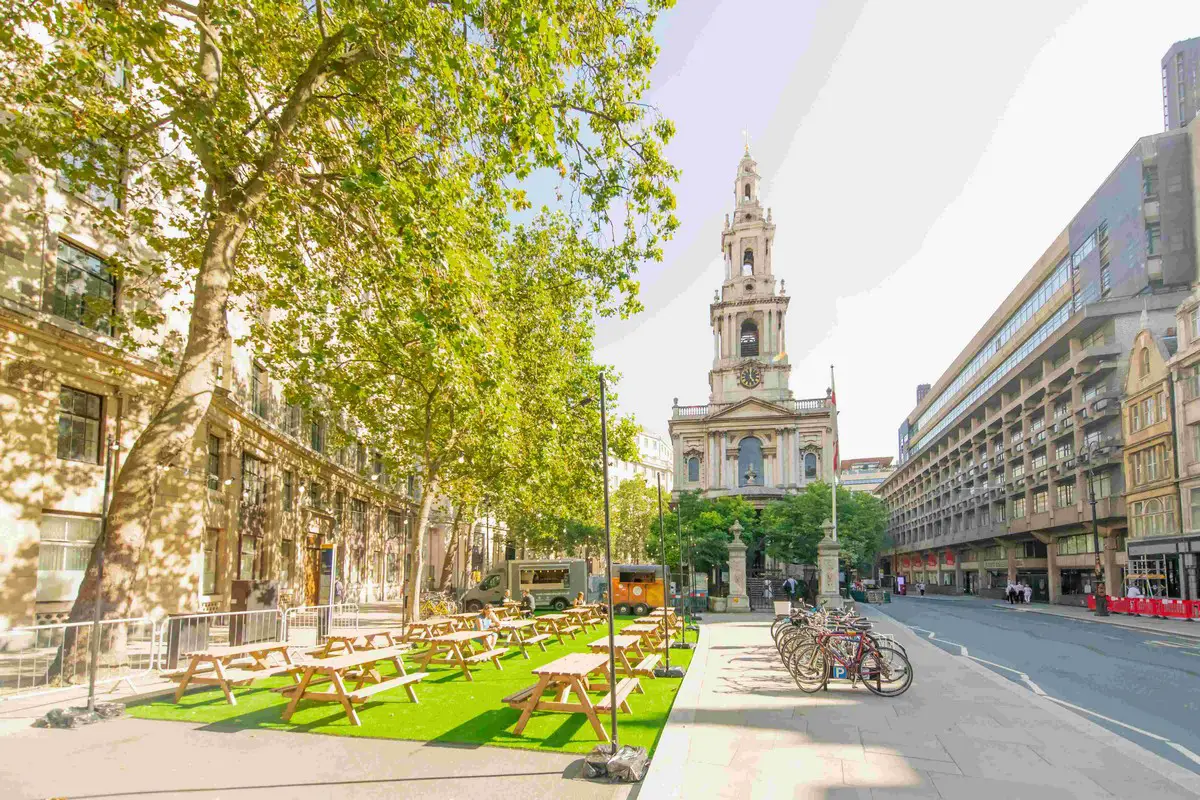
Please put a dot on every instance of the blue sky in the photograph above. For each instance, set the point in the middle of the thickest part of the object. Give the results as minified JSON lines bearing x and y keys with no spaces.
{"x":918,"y":156}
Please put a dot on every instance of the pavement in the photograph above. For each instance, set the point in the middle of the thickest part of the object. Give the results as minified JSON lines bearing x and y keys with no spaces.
{"x":1140,"y":683}
{"x":740,"y":728}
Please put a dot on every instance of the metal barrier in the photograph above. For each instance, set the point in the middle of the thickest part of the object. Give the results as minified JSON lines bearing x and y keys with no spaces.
{"x":45,"y":658}
{"x":185,"y":633}
{"x":308,"y":625}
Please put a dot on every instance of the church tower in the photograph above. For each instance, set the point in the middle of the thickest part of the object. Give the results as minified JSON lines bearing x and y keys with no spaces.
{"x":748,"y":317}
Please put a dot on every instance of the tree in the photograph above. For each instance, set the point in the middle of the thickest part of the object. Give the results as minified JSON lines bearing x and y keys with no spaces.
{"x":634,"y":520}
{"x":261,"y":140}
{"x":793,"y":525}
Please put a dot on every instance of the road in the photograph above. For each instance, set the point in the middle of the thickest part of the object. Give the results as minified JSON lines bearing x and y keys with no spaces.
{"x":1143,"y":686}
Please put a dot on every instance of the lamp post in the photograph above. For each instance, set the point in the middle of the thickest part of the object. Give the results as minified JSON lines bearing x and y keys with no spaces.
{"x":683,"y":583}
{"x":1101,"y":594}
{"x":662,"y":540}
{"x":612,"y":667}
{"x":110,"y":449}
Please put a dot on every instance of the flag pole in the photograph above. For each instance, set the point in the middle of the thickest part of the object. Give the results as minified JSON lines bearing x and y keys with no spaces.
{"x":836,"y":465}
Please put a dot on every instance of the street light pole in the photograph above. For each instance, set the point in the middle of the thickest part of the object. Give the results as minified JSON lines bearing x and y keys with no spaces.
{"x":683,"y":583}
{"x":612,"y":666}
{"x":662,"y":539}
{"x":1101,"y":595}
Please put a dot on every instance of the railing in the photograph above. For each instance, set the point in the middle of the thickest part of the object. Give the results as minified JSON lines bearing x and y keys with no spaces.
{"x":43,"y":658}
{"x":309,"y":625}
{"x":185,"y":633}
{"x":811,"y":404}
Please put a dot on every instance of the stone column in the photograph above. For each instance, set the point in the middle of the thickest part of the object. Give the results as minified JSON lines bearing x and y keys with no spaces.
{"x":1053,"y":575}
{"x":781,"y":455}
{"x":827,"y":569}
{"x":958,"y":571}
{"x":1112,"y":586}
{"x":1011,"y":552}
{"x":738,"y":599}
{"x":716,"y":343}
{"x":979,"y":579}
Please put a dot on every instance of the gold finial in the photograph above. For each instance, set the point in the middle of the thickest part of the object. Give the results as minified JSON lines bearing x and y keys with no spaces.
{"x":746,"y":138}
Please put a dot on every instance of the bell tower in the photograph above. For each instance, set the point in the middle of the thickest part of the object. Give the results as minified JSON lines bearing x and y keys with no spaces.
{"x":748,"y":315}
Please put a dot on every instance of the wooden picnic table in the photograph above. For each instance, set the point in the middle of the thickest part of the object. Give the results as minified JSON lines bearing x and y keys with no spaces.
{"x":522,"y":633}
{"x":211,"y":667}
{"x":423,"y":630}
{"x":665,"y":623}
{"x":467,"y":619}
{"x":343,"y":640}
{"x":459,"y":649}
{"x":649,"y":632}
{"x":623,"y":646}
{"x":585,"y":617}
{"x":361,"y":667}
{"x":564,"y":676}
{"x":557,"y":625}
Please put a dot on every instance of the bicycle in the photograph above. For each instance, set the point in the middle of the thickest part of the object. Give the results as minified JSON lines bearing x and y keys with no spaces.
{"x":438,"y":605}
{"x":811,"y":640}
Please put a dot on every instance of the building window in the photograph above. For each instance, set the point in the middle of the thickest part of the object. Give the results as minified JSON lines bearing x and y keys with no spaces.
{"x":254,"y":482}
{"x":339,"y":508}
{"x":746,"y":191}
{"x":295,"y":420}
{"x":316,"y":495}
{"x":1078,"y":544}
{"x":810,"y":466}
{"x":1105,"y":281}
{"x":750,"y":462}
{"x":1150,"y":181}
{"x":1195,"y":504}
{"x":65,"y":546}
{"x":78,"y":425}
{"x":1144,"y":363}
{"x":84,"y":290}
{"x":208,"y":574}
{"x":1148,"y":411}
{"x":1153,"y":517}
{"x":1038,"y":461}
{"x":317,"y":434}
{"x":289,"y":489}
{"x":1153,"y":239}
{"x":693,"y":469}
{"x":1018,"y":508}
{"x":1101,"y":485}
{"x":214,"y":463}
{"x":1190,"y":378}
{"x":287,"y":554}
{"x":1064,"y":451}
{"x":749,"y":339}
{"x":1065,"y":495}
{"x":1039,"y":501}
{"x":1195,"y":435}
{"x":249,"y":558}
{"x":260,"y":390}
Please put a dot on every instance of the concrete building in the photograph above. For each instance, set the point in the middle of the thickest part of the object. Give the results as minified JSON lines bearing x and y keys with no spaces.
{"x":1181,"y":83}
{"x":995,"y":460}
{"x":865,"y":474}
{"x":654,"y":458}
{"x":753,"y":438}
{"x":264,"y":487}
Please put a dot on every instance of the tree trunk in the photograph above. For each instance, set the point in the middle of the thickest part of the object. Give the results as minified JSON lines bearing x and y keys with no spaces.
{"x":170,"y":433}
{"x":451,"y":551}
{"x":416,"y":540}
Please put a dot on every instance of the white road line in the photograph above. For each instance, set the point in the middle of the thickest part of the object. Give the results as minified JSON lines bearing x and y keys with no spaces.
{"x":1033,"y":687}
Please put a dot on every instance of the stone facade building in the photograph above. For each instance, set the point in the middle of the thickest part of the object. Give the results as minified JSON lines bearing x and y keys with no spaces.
{"x":865,"y":474}
{"x":753,"y":438}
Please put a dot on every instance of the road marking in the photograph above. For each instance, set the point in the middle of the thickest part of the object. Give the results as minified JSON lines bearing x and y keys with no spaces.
{"x":1033,"y":687}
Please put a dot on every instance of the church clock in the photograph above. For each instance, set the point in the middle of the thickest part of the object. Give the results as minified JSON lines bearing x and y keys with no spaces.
{"x":750,"y":374}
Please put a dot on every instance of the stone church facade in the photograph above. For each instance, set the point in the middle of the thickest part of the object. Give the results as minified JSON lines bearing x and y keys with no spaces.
{"x":753,"y":438}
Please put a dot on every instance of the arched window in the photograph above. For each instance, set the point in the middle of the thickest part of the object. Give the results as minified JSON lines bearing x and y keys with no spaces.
{"x":750,"y":462}
{"x":810,"y":466}
{"x":748,"y":261}
{"x":746,"y":190}
{"x":749,"y":339}
{"x":693,"y":465}
{"x":1145,"y":363}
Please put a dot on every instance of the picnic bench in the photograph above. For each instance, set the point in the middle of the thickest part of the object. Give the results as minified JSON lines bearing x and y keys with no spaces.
{"x":564,"y":676}
{"x":213,"y":667}
{"x":423,"y":630}
{"x":650,"y":633}
{"x":459,"y":649}
{"x":339,"y":640}
{"x":558,"y":625}
{"x":623,"y":646}
{"x":466,"y":620}
{"x":581,"y":616}
{"x":359,"y":667}
{"x":522,"y":633}
{"x":666,"y":622}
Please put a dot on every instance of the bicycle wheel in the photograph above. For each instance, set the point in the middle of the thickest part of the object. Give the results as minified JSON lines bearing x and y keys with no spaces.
{"x":809,"y":668}
{"x":886,"y":671}
{"x":798,"y":640}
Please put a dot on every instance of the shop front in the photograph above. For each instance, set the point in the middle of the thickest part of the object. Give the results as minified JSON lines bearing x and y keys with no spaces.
{"x":1164,"y":567}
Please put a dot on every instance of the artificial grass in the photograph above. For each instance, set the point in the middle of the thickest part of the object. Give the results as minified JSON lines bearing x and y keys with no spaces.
{"x":451,"y":708}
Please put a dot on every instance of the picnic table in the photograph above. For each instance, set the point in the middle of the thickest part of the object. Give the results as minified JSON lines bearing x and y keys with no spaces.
{"x":585,"y":617}
{"x":649,"y":632}
{"x":665,"y":622}
{"x":212,"y":667}
{"x":459,"y":649}
{"x":423,"y":630}
{"x":360,"y":667}
{"x":522,"y":633}
{"x":343,"y":640}
{"x":557,"y":625}
{"x":623,"y":646}
{"x":572,"y":674}
{"x":467,"y":619}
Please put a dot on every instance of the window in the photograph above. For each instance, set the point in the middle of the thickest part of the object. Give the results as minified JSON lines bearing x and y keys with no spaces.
{"x":1105,"y":280}
{"x":208,"y":575}
{"x":78,"y":425}
{"x":254,"y":481}
{"x":260,"y":390}
{"x":1144,"y":362}
{"x":750,"y":462}
{"x":746,"y":191}
{"x":1194,"y":430}
{"x":84,"y":290}
{"x":1064,"y":451}
{"x":1195,"y":503}
{"x":1150,"y":181}
{"x":1034,"y":550}
{"x":693,"y":469}
{"x":358,"y":516}
{"x":1064,"y":495}
{"x":1101,"y":485}
{"x":339,"y":507}
{"x":1149,"y":407}
{"x":749,"y":339}
{"x":1076,"y":545}
{"x":249,"y":560}
{"x":1153,"y":239}
{"x":1194,"y":320}
{"x":66,"y":546}
{"x":1190,"y":379}
{"x":1040,"y":500}
{"x":295,"y":420}
{"x":88,"y":165}
{"x":1153,"y":464}
{"x":1153,"y":517}
{"x":490,"y":582}
{"x":1038,"y":461}
{"x":1135,"y":418}
{"x":1018,"y":508}
{"x":317,"y":433}
{"x":316,"y":495}
{"x":810,"y":466}
{"x":1018,"y":471}
{"x":214,"y":463}
{"x":289,"y":488}
{"x":287,"y":554}
{"x":555,"y":578}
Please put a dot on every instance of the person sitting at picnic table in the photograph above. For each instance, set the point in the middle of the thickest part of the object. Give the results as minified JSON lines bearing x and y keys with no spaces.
{"x":579,"y":601}
{"x":528,"y":604}
{"x":507,"y":596}
{"x":489,"y":618}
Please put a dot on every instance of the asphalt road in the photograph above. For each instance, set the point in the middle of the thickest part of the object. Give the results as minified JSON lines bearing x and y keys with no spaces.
{"x":1146,"y":685}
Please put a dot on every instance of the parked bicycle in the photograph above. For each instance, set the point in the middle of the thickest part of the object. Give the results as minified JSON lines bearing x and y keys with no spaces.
{"x":813,"y":642}
{"x":437,"y":604}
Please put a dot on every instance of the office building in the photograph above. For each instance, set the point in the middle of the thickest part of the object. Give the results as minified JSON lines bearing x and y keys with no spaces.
{"x":865,"y":474}
{"x":1181,"y":83}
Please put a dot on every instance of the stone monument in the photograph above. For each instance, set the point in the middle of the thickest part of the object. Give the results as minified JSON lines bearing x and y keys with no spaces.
{"x":827,"y":568}
{"x":738,"y":599}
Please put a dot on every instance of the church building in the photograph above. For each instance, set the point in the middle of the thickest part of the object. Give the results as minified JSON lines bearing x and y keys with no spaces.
{"x":753,"y":437}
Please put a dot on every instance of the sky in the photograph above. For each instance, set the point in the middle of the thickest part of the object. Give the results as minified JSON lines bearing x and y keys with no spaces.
{"x":918,"y":156}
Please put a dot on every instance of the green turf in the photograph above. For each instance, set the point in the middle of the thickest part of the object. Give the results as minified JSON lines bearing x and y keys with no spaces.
{"x":451,"y":709}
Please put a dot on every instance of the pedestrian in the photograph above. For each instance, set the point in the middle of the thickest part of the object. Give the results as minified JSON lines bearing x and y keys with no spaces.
{"x":1133,"y":591}
{"x":337,"y":590}
{"x":789,"y":588}
{"x":1028,"y":594}
{"x":768,"y":595}
{"x":1010,"y":593}
{"x":921,"y":588}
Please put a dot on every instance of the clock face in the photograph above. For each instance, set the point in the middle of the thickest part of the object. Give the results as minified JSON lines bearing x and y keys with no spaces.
{"x":750,"y":374}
